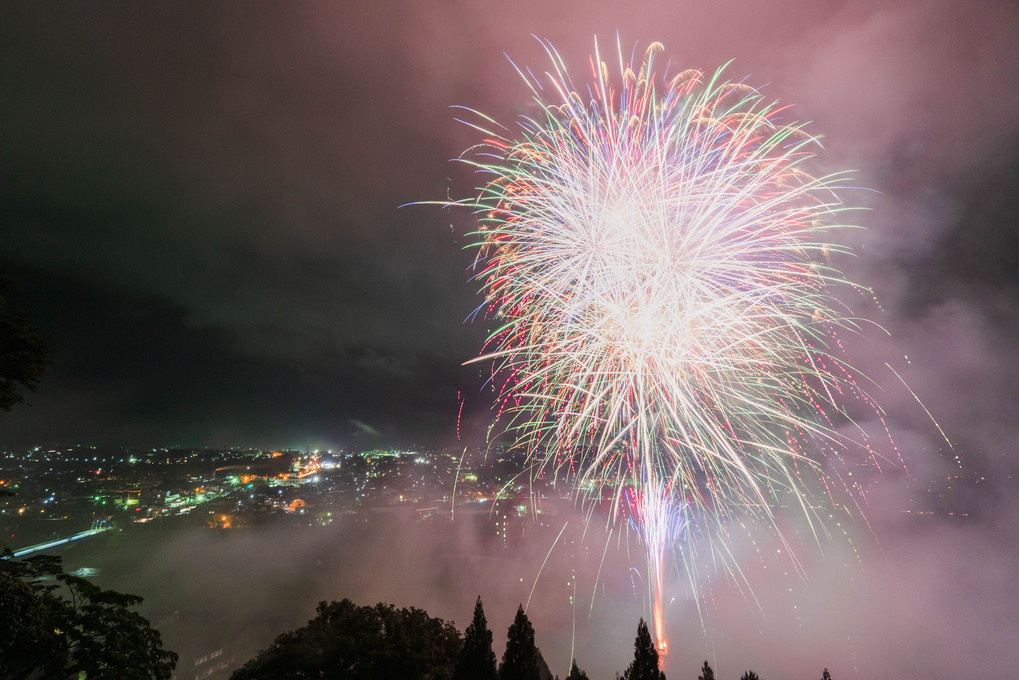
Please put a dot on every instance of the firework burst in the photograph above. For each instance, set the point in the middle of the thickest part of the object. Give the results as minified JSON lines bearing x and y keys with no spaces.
{"x":657,"y":257}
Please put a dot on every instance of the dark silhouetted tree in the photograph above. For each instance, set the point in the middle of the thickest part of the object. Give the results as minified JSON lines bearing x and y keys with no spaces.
{"x":477,"y":659}
{"x":826,"y":675}
{"x":55,"y":626}
{"x":645,"y":657}
{"x":706,"y":672}
{"x":576,"y":673}
{"x":544,"y":672}
{"x":520,"y":662}
{"x":750,"y":675}
{"x":24,"y":352}
{"x":360,"y":643}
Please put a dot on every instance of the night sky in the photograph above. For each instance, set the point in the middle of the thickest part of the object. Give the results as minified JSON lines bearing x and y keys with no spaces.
{"x":201,"y":202}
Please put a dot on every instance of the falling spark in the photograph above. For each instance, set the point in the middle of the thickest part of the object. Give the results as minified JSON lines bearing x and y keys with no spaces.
{"x":657,"y":258}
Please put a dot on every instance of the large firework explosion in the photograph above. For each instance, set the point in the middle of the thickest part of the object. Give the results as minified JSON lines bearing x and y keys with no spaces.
{"x":658,"y":259}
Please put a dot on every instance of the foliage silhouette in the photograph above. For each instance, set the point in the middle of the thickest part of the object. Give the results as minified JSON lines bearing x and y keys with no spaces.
{"x":477,"y":659}
{"x":520,"y":661}
{"x":348,"y":642}
{"x":576,"y":673}
{"x":24,"y":352}
{"x":56,"y":626}
{"x":645,"y":657}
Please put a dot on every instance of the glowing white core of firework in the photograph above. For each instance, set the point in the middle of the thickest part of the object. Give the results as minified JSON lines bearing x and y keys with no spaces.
{"x":657,"y":260}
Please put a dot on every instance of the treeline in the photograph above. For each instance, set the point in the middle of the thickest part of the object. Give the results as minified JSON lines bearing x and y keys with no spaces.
{"x":56,"y":626}
{"x":348,"y":642}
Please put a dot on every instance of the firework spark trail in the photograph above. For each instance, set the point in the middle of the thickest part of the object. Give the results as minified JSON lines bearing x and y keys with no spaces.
{"x":658,"y":259}
{"x":660,"y":523}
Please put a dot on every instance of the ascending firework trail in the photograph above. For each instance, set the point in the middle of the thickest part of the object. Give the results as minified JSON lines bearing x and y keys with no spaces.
{"x":657,"y":258}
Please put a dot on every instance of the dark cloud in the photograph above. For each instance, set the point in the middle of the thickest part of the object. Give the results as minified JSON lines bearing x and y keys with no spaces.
{"x":130,"y":369}
{"x":212,"y":161}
